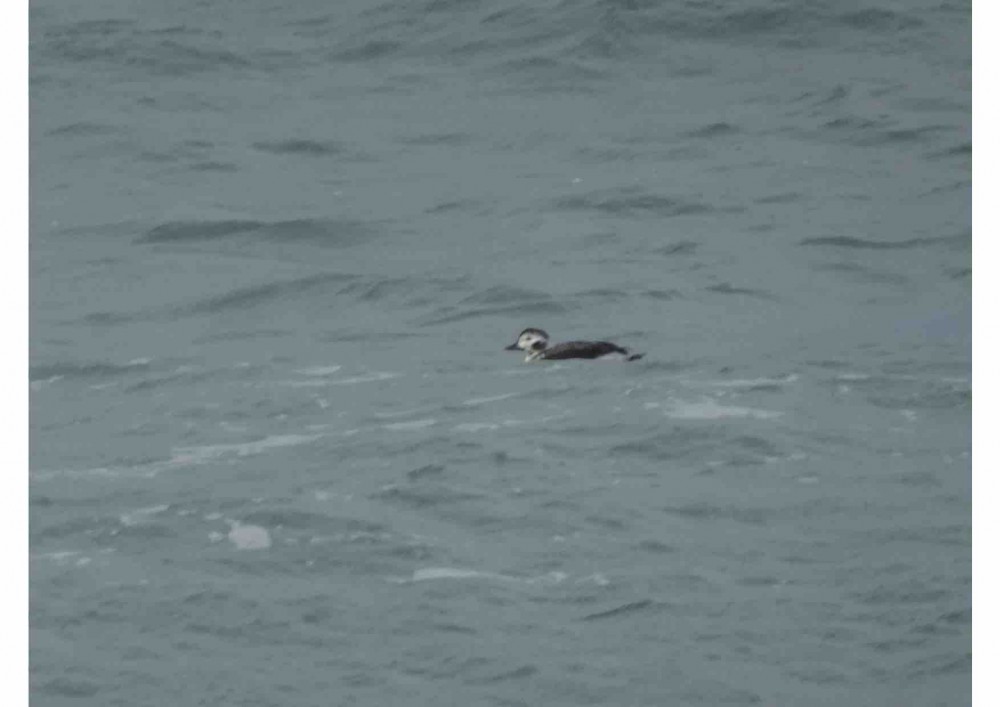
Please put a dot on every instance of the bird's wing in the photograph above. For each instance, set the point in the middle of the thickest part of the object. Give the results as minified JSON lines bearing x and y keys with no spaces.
{"x":581,"y":349}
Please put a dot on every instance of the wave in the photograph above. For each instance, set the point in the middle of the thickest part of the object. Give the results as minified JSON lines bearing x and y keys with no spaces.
{"x":867,"y":132}
{"x":311,"y":148}
{"x":429,"y":574}
{"x":498,"y":301}
{"x":174,"y":51}
{"x":712,"y":130}
{"x":84,"y":128}
{"x":425,"y":495}
{"x":256,"y":295}
{"x":435,"y":139}
{"x":783,"y":198}
{"x":879,"y":20}
{"x":631,"y":201}
{"x":520,"y":311}
{"x":726,"y":289}
{"x":851,"y":242}
{"x":677,"y":248}
{"x":710,"y":410}
{"x":198,"y":230}
{"x":641,"y":606}
{"x":323,"y":382}
{"x":502,"y":294}
{"x":713,"y":511}
{"x":327,"y":232}
{"x":468,"y":206}
{"x":85,"y":370}
{"x":402,"y":290}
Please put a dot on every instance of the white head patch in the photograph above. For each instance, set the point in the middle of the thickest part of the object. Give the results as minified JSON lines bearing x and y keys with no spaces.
{"x":532,"y":340}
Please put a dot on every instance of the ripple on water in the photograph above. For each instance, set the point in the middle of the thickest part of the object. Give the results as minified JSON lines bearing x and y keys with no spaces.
{"x":326,"y":232}
{"x":855,"y":243}
{"x":632,"y":202}
{"x":642,"y":606}
{"x":710,"y":409}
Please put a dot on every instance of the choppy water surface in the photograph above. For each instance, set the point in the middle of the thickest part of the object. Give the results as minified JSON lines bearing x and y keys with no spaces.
{"x":279,"y":457}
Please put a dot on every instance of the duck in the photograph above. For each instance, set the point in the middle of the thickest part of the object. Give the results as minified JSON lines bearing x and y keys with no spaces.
{"x":535,"y":343}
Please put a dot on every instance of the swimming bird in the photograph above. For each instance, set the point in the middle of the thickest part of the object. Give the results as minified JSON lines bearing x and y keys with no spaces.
{"x":536,"y":343}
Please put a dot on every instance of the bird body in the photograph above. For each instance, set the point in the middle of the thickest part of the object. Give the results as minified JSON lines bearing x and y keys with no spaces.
{"x":535,"y":342}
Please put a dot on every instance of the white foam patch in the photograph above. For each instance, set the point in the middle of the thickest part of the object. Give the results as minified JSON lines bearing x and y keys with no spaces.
{"x":435,"y":573}
{"x":322,"y":382}
{"x":549,"y":578}
{"x":319,"y":370}
{"x":135,"y":517}
{"x":429,"y":574}
{"x":145,"y":471}
{"x":184,"y":456}
{"x":311,"y":383}
{"x":748,"y":382}
{"x":489,"y":399}
{"x":370,"y":378}
{"x":956,"y":381}
{"x":39,"y":384}
{"x":707,"y":409}
{"x":520,"y":371}
{"x":59,"y":556}
{"x":475,"y":427}
{"x":326,"y":427}
{"x":66,"y":557}
{"x":412,"y":425}
{"x":509,"y":422}
{"x":535,"y":421}
{"x":249,"y":537}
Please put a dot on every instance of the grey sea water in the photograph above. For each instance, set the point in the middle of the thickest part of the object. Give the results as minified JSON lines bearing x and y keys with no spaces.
{"x":278,"y":456}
